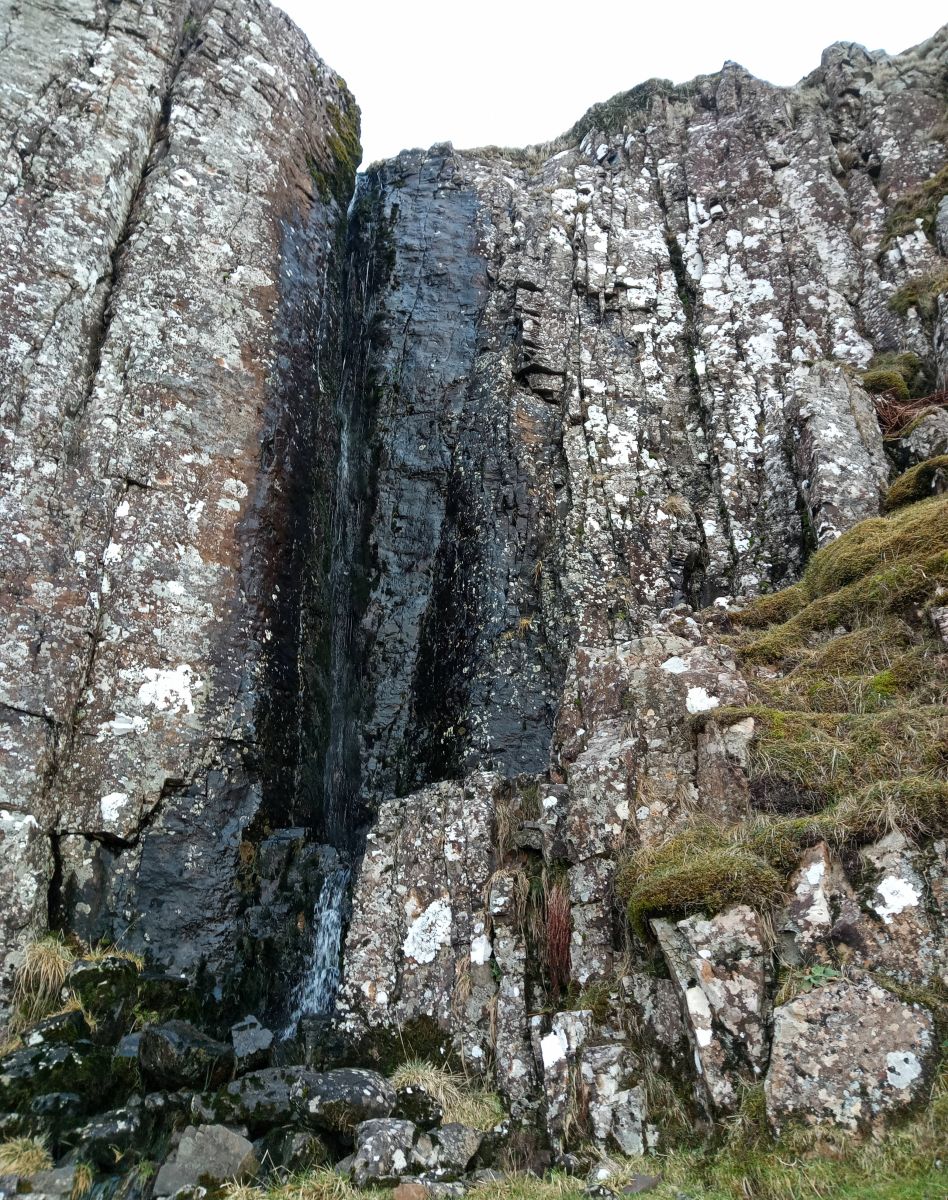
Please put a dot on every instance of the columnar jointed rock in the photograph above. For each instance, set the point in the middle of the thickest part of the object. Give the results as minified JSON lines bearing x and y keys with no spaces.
{"x":174,"y":179}
{"x":613,"y":380}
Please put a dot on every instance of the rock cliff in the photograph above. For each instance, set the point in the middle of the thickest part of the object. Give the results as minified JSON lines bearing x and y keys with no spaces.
{"x":174,"y":186}
{"x":513,"y":533}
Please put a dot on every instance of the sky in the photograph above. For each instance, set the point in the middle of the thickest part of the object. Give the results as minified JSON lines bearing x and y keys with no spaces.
{"x":508,"y":73}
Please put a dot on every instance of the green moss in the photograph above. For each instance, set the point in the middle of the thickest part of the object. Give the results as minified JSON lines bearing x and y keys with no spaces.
{"x":702,"y":869}
{"x":921,"y":293}
{"x":880,"y":567}
{"x":889,"y":383}
{"x":908,"y":366}
{"x":916,"y":483}
{"x":919,"y":203}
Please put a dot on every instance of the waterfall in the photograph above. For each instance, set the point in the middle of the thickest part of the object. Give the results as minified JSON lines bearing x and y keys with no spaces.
{"x":317,"y":992}
{"x":342,"y":822}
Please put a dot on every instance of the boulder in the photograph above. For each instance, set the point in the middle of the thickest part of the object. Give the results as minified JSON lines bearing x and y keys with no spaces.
{"x":110,"y":1135}
{"x":263,"y":1099}
{"x":293,"y":1150}
{"x":52,"y":1067}
{"x":456,"y":1147}
{"x":415,"y":1104}
{"x":59,"y":1181}
{"x":383,"y":1151}
{"x":176,"y":1054}
{"x":338,"y":1101}
{"x":67,"y":1026}
{"x":849,"y":1054}
{"x":207,"y":1155}
{"x":252,"y":1044}
{"x":104,"y":984}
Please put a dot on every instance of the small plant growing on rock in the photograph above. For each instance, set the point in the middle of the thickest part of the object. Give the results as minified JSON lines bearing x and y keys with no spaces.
{"x":24,"y":1156}
{"x":39,"y":980}
{"x":460,"y":1100}
{"x":83,"y":1180}
{"x":558,"y":931}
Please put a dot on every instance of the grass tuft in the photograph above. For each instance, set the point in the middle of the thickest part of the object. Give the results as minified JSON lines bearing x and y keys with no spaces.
{"x":39,"y":980}
{"x":24,"y":1156}
{"x":83,"y":1181}
{"x":461,"y":1100}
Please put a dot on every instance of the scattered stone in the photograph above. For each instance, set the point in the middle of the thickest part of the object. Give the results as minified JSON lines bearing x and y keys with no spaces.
{"x":207,"y":1155}
{"x":848,"y":1054}
{"x":57,"y":1067}
{"x":59,"y":1181}
{"x":110,"y":1135}
{"x":457,"y":1146}
{"x":415,"y":1104}
{"x":383,"y":1151}
{"x":176,"y":1054}
{"x":252,"y":1043}
{"x":640,"y":1183}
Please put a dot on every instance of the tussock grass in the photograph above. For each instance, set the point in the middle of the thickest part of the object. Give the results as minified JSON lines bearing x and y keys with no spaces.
{"x":39,"y":980}
{"x":83,"y":1181}
{"x":921,"y":293}
{"x":461,"y":1100}
{"x":24,"y":1156}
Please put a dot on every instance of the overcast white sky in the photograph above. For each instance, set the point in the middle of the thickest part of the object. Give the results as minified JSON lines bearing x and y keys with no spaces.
{"x":509,"y":73}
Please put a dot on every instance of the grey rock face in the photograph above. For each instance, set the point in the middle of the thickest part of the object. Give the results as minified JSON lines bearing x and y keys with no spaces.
{"x":163,"y":293}
{"x":206,"y":1154}
{"x":849,"y":1054}
{"x":607,"y":382}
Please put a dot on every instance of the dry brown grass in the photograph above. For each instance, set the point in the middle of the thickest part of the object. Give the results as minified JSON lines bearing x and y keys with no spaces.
{"x":24,"y":1156}
{"x":461,"y":1100}
{"x":39,"y":980}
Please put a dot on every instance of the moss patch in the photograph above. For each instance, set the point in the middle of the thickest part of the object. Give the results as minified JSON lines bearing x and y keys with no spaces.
{"x":916,"y":483}
{"x":921,"y":293}
{"x":918,"y":204}
{"x":850,"y":722}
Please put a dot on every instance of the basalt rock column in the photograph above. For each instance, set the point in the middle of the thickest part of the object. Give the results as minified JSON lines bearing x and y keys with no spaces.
{"x":172,"y":200}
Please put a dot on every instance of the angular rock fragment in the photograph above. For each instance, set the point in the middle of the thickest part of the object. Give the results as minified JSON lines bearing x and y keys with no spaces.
{"x":849,"y":1054}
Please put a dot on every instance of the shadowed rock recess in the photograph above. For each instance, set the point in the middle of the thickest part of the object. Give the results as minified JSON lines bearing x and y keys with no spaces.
{"x":515,"y":539}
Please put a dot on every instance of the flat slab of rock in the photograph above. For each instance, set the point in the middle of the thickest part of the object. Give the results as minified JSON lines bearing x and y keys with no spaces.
{"x":847,"y":1054}
{"x":206,"y":1154}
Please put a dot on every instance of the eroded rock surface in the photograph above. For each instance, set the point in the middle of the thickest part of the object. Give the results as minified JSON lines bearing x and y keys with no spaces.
{"x":170,"y":203}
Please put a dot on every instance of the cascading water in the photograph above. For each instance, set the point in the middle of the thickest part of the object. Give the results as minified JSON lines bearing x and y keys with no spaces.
{"x":317,"y":991}
{"x":341,"y":820}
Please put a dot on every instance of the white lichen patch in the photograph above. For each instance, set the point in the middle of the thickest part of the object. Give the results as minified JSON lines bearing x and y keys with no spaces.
{"x":428,"y":931}
{"x":895,"y":896}
{"x":112,"y":805}
{"x":169,"y":691}
{"x":698,"y":700}
{"x":902,"y":1068}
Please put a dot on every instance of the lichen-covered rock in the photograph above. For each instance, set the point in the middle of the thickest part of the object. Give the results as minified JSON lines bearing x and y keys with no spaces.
{"x":848,"y":1054}
{"x":206,"y":1154}
{"x":383,"y":1151}
{"x":721,"y":969}
{"x":338,"y":1101}
{"x":252,"y":1044}
{"x":162,"y":296}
